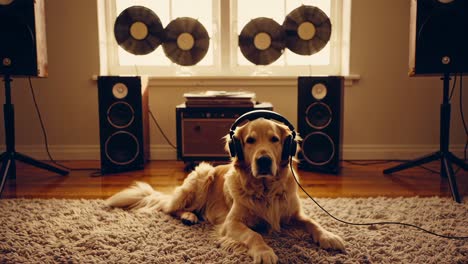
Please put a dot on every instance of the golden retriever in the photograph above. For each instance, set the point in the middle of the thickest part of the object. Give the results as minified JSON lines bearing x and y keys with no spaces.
{"x":255,"y":192}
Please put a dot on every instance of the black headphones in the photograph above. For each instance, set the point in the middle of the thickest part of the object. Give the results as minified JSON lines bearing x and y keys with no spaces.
{"x":235,"y":145}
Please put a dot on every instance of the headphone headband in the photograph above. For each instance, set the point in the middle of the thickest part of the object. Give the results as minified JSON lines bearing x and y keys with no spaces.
{"x":255,"y":114}
{"x":289,"y":145}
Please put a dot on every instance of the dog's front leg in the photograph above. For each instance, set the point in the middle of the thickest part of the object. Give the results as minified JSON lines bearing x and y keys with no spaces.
{"x":257,"y":248}
{"x":324,"y":238}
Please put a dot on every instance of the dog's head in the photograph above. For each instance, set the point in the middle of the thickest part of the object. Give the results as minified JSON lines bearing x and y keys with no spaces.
{"x":262,"y":146}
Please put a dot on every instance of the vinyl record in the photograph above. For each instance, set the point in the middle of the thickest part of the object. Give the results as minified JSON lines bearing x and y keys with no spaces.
{"x":262,"y":41}
{"x":308,"y":30}
{"x":186,"y":41}
{"x":138,"y":30}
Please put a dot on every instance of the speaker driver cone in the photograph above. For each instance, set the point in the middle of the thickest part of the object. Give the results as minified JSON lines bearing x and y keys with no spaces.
{"x":187,"y":41}
{"x":120,"y":115}
{"x":318,"y":148}
{"x":318,"y":115}
{"x":261,"y":41}
{"x":138,"y":30}
{"x":122,"y":148}
{"x":308,"y":30}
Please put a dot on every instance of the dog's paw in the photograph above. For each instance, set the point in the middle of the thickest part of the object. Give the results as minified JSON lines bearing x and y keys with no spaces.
{"x":328,"y":240}
{"x":265,"y":256}
{"x":189,"y":218}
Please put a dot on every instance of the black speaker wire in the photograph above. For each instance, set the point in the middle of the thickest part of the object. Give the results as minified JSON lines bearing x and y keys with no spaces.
{"x":377,"y":162}
{"x":462,"y":116}
{"x":160,"y":129}
{"x":453,"y":86}
{"x":369,"y":223}
{"x":136,"y":69}
{"x":44,"y":133}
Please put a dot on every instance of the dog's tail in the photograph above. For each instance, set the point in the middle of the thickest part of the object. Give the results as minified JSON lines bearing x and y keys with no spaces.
{"x":190,"y":196}
{"x":139,"y":196}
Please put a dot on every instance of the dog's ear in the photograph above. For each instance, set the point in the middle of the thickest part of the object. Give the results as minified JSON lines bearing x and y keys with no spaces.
{"x":227,"y":144}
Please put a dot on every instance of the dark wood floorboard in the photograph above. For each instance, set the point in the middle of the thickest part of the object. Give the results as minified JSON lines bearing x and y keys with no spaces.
{"x":354,"y":181}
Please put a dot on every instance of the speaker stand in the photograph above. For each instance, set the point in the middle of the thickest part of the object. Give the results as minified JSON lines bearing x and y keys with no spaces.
{"x":444,"y":155}
{"x":8,"y":158}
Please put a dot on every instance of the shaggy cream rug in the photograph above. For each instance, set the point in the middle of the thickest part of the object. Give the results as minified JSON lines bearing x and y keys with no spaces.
{"x":85,"y":231}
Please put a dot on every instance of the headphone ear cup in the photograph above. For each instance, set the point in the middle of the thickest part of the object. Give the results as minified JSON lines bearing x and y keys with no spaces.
{"x":286,"y":148}
{"x":232,"y":148}
{"x":238,"y":148}
{"x":293,"y":148}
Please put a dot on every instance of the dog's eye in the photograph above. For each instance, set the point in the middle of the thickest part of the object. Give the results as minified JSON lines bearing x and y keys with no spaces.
{"x":274,"y":139}
{"x":250,"y":140}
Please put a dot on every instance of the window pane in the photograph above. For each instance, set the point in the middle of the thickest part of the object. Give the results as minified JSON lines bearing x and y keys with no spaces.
{"x":323,"y":56}
{"x":250,"y":9}
{"x":200,"y":9}
{"x":203,"y":12}
{"x":322,"y":4}
{"x":277,"y":10}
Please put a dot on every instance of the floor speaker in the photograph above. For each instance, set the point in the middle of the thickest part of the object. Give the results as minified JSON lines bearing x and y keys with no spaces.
{"x":23,"y":49}
{"x":320,"y":116}
{"x":438,"y":41}
{"x":123,"y":123}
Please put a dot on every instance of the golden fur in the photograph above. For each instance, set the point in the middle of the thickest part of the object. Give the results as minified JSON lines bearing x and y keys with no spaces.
{"x":239,"y":197}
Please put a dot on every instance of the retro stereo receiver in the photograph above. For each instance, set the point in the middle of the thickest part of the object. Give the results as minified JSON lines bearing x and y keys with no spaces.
{"x":200,"y":130}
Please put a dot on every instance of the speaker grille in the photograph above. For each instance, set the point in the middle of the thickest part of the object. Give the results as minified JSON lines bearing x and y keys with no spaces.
{"x":23,"y":49}
{"x":438,"y":37}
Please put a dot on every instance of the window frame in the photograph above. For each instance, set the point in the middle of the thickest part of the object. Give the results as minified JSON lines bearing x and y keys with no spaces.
{"x":292,"y":70}
{"x":225,"y":37}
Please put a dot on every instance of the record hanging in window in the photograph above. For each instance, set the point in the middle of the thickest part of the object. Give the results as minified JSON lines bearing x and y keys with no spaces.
{"x":262,"y":41}
{"x":138,"y":30}
{"x":308,"y":30}
{"x":186,"y":41}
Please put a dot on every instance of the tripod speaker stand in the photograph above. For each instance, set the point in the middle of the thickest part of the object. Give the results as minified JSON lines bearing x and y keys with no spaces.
{"x":438,"y":47}
{"x":444,"y":155}
{"x":8,"y":158}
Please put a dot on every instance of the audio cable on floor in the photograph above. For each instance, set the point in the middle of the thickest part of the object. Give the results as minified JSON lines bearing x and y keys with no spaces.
{"x":370,"y":223}
{"x":378,"y":162}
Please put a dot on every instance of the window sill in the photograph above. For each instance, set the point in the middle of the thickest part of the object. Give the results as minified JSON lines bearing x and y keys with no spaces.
{"x":234,"y":81}
{"x":214,"y":82}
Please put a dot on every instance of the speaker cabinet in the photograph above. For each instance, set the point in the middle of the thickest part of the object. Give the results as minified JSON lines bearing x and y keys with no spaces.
{"x":438,"y":41}
{"x":320,"y":116}
{"x":23,"y":49}
{"x":123,"y":123}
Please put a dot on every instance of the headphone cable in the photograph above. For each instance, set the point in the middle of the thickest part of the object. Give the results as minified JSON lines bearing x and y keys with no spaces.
{"x":370,"y":223}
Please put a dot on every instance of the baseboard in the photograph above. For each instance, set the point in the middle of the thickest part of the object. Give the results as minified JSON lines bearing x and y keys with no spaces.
{"x":166,"y":152}
{"x":390,"y":152}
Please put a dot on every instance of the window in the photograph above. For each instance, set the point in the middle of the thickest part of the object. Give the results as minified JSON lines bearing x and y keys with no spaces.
{"x":224,"y":20}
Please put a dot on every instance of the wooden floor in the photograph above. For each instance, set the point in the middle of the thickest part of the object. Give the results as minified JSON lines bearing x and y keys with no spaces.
{"x":355,"y":180}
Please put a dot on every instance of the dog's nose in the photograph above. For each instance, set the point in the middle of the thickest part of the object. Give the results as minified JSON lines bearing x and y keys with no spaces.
{"x":264,"y":164}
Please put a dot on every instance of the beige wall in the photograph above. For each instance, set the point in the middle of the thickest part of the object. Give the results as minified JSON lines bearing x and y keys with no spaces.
{"x":387,"y":114}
